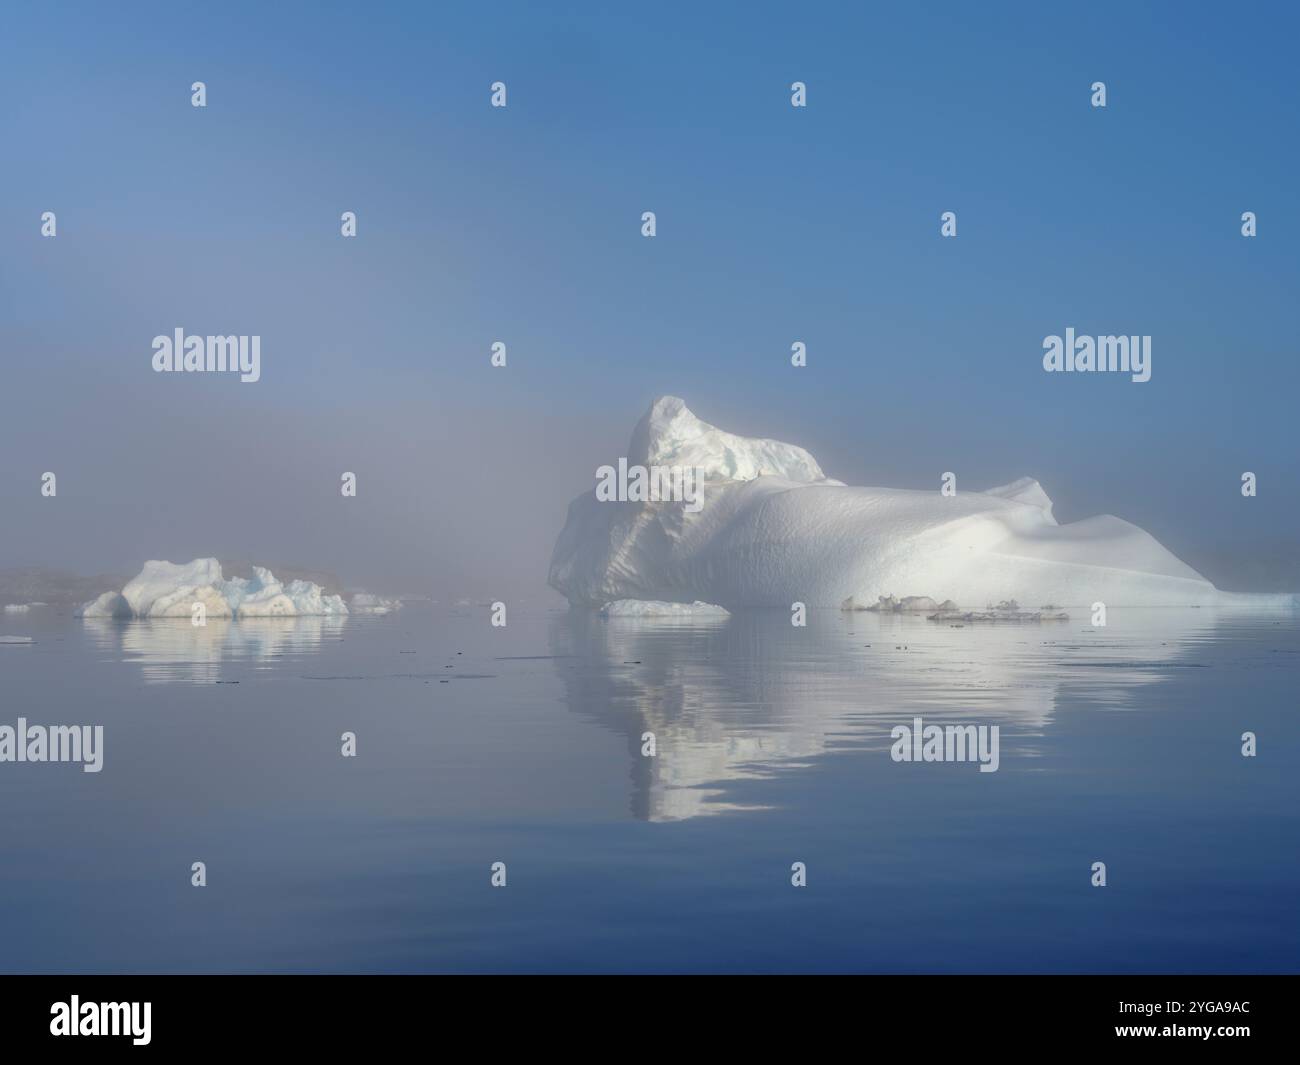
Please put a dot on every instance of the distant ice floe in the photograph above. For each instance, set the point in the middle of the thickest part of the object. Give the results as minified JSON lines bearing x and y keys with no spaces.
{"x":15,"y":639}
{"x":770,"y":529}
{"x":1005,"y":610}
{"x":170,"y":590}
{"x":365,"y":603}
{"x":20,"y":608}
{"x":909,"y":604}
{"x":643,"y":608}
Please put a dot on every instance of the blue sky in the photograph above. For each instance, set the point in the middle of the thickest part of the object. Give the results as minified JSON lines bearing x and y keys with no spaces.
{"x":522,"y":224}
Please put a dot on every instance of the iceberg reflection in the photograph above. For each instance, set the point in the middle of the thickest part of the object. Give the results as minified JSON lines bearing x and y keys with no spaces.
{"x":175,"y":651}
{"x":746,"y":697}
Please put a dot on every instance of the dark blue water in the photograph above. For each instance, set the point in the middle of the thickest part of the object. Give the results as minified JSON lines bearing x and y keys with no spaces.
{"x":523,"y":745}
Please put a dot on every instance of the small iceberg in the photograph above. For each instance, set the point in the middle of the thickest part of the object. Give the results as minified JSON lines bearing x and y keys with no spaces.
{"x":652,"y":608}
{"x":365,"y":603}
{"x":170,"y":590}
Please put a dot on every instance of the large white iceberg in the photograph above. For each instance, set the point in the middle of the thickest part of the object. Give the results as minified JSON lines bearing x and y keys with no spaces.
{"x":770,"y":529}
{"x":170,"y":590}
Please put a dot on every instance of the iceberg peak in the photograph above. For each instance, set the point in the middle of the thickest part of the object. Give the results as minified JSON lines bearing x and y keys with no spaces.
{"x":670,"y":435}
{"x":1024,"y":490}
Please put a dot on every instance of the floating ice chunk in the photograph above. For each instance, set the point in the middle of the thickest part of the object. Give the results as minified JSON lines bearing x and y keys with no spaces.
{"x":909,"y":604}
{"x":643,"y":608}
{"x":263,"y":596}
{"x":15,"y":639}
{"x":887,"y":604}
{"x":365,"y":603}
{"x":20,"y":608}
{"x":164,"y":584}
{"x":1000,"y":613}
{"x":170,"y":590}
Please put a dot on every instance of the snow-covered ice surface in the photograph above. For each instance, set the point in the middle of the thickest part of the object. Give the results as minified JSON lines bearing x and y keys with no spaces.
{"x":170,"y":590}
{"x":774,"y":530}
{"x":644,"y":608}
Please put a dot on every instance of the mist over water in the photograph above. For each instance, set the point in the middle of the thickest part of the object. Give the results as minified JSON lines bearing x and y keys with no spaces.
{"x":456,"y":503}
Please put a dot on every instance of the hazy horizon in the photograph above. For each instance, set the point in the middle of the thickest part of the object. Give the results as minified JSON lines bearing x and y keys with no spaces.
{"x":521,"y":224}
{"x":504,"y":525}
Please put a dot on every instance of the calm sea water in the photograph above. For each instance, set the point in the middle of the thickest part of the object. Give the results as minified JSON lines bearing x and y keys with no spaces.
{"x":523,"y":745}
